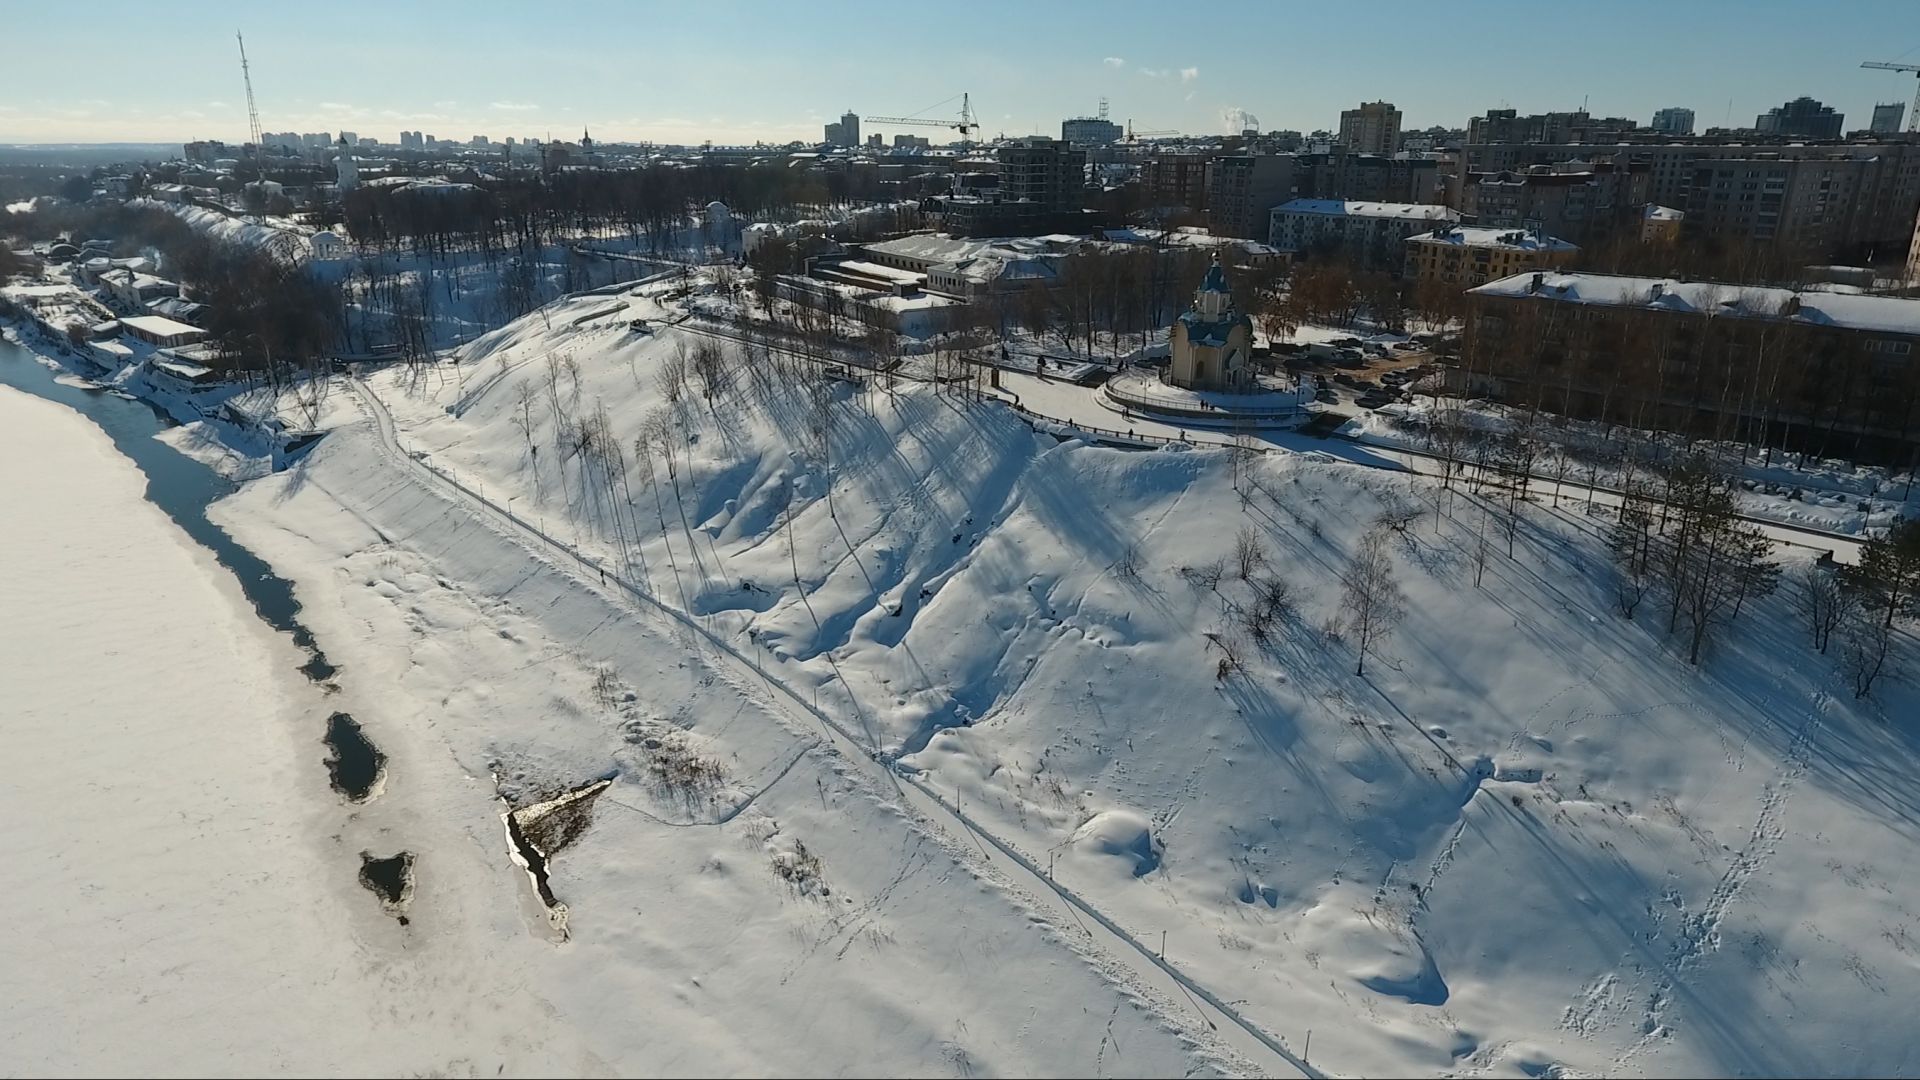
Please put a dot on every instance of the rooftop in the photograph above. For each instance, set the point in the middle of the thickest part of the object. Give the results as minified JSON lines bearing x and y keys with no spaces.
{"x":1483,"y":236}
{"x":1883,"y":314}
{"x":158,"y":325}
{"x":938,"y":248}
{"x":1346,"y":208}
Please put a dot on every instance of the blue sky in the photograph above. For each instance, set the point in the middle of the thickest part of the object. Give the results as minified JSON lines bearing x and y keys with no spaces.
{"x":736,"y":72}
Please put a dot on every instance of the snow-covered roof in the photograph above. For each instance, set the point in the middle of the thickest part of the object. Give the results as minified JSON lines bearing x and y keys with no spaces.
{"x":182,"y":369}
{"x":1881,"y":314}
{"x":938,"y":248}
{"x":998,"y":266}
{"x":158,"y":325}
{"x":1482,"y":236}
{"x":1349,"y":208}
{"x":876,"y":270}
{"x":1663,"y":213}
{"x":174,"y":307}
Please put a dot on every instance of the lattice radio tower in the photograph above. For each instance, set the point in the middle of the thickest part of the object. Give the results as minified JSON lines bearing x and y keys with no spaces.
{"x":246,"y":76}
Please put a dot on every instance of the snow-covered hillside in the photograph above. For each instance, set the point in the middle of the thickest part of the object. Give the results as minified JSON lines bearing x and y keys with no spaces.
{"x":1531,"y":837}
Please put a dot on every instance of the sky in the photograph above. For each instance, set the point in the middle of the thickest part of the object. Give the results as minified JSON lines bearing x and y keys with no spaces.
{"x":734,"y":72}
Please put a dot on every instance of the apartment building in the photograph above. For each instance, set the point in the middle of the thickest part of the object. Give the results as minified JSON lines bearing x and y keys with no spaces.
{"x":1373,"y":128}
{"x":1243,"y":189}
{"x":1879,"y":219}
{"x":1468,"y":255}
{"x":1552,"y":128}
{"x":1367,"y":235}
{"x":1673,"y":121}
{"x":1581,"y":202}
{"x":1826,"y":372}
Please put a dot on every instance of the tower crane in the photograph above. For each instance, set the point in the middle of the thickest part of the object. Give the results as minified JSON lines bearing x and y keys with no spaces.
{"x":1132,"y":134}
{"x":253,"y":114}
{"x":966,"y":124}
{"x":1913,"y":114}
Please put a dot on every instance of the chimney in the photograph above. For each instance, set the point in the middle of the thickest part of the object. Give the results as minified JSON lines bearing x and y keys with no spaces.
{"x":1538,"y":280}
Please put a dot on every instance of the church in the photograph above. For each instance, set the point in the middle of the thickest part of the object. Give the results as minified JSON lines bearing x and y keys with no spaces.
{"x":1212,"y":344}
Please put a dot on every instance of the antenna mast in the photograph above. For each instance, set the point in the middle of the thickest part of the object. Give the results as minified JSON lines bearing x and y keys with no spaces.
{"x":246,"y":76}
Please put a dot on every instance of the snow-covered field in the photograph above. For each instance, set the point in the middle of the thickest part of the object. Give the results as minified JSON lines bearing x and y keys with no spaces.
{"x":1532,"y":837}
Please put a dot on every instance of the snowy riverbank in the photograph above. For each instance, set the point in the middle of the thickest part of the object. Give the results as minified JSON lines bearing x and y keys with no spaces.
{"x":187,"y":898}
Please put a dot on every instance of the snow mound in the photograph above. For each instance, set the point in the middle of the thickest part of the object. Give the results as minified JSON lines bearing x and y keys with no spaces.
{"x":1122,"y":836}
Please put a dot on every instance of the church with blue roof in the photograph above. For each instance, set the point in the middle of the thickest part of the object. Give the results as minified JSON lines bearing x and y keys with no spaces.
{"x":1212,"y":343}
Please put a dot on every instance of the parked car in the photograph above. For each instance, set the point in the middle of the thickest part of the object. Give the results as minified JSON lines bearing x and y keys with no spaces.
{"x":639,"y":326}
{"x":1348,"y":358}
{"x":1326,"y":396}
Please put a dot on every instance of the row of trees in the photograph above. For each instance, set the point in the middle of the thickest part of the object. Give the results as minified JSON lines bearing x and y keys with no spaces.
{"x":1739,"y":366}
{"x":528,"y":211}
{"x":1865,"y":604}
{"x":1681,"y":538}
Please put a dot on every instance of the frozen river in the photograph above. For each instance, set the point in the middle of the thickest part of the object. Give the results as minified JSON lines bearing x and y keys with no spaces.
{"x":181,"y":896}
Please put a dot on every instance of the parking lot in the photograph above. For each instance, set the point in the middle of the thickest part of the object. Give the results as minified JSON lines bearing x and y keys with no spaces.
{"x":1353,"y":374}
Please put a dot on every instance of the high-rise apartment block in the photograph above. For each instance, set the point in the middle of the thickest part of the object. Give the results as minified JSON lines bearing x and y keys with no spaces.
{"x":1673,"y":121}
{"x":1373,"y":128}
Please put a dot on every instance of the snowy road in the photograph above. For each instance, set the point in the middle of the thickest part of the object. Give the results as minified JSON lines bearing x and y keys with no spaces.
{"x":1066,"y":909}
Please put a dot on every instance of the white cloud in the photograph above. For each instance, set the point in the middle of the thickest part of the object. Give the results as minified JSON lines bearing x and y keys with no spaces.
{"x":335,"y":106}
{"x":1189,"y":74}
{"x":1154,"y":73}
{"x":1114,"y":61}
{"x":514,"y":106}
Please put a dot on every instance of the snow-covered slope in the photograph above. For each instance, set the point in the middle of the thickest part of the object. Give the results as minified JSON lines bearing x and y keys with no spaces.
{"x":1530,"y":837}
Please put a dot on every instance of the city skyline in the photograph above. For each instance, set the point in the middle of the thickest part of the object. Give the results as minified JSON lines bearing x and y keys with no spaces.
{"x":458,"y":72}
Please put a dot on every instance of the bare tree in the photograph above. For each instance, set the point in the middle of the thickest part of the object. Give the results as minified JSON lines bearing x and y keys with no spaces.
{"x":1480,"y":547}
{"x":1866,"y":651}
{"x":1632,"y":541}
{"x":1248,"y":553}
{"x":1822,"y":601}
{"x":1371,"y":598}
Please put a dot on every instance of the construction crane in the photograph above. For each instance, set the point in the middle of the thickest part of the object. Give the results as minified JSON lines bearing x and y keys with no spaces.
{"x":1133,"y":134}
{"x":1913,"y":114}
{"x":965,"y":124}
{"x":253,"y":112}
